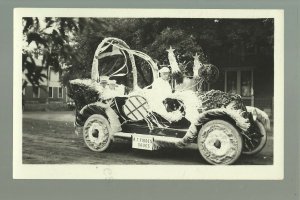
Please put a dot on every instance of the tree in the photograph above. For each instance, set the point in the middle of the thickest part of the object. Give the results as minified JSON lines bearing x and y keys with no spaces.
{"x":48,"y":39}
{"x":91,"y":33}
{"x":218,"y":42}
{"x":152,"y":36}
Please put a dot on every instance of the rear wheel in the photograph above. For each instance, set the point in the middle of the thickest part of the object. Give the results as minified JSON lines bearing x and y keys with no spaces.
{"x":96,"y":133}
{"x":219,"y":142}
{"x":257,"y":142}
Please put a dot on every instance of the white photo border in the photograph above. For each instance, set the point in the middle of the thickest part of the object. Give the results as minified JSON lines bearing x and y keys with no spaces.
{"x":182,"y":172}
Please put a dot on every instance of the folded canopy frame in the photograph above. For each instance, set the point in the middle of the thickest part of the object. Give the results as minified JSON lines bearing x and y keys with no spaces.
{"x":123,"y":48}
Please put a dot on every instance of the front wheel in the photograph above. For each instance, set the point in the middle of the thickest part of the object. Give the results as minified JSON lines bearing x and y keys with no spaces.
{"x":96,"y":133}
{"x":219,"y":142}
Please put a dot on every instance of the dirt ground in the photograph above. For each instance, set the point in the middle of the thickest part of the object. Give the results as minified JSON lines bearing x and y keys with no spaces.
{"x":48,"y":138}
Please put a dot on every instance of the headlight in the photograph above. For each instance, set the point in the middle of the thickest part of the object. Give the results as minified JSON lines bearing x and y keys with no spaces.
{"x":254,"y":114}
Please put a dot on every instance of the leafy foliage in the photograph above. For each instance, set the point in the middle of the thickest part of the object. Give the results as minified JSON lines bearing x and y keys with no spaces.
{"x":82,"y":94}
{"x":48,"y":40}
{"x":209,"y":73}
{"x":73,"y":41}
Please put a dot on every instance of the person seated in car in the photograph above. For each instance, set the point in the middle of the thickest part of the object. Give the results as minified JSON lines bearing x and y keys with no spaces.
{"x":109,"y":88}
{"x":161,"y":91}
{"x":161,"y":85}
{"x":103,"y":82}
{"x":108,"y":92}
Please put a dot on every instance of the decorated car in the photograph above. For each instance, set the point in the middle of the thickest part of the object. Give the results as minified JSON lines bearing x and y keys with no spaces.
{"x":112,"y":104}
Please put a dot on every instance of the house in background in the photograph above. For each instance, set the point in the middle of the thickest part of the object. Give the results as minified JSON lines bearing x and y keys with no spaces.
{"x":41,"y":95}
{"x":248,"y":72}
{"x":56,"y":93}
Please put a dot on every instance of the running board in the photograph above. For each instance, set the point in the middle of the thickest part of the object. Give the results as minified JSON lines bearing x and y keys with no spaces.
{"x":157,"y":138}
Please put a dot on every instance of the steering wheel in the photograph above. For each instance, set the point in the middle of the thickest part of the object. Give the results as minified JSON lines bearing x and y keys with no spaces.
{"x":173,"y":105}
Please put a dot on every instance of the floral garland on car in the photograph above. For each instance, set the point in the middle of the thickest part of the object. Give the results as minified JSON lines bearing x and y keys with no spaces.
{"x":157,"y":106}
{"x":83,"y":92}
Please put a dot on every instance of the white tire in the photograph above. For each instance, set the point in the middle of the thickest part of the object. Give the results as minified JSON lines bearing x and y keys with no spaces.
{"x":96,"y":133}
{"x":219,"y":142}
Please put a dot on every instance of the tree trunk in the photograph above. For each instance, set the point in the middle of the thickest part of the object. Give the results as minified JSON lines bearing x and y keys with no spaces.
{"x":48,"y":80}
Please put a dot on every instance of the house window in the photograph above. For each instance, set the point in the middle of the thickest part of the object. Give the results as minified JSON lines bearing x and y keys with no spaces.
{"x":60,"y":92}
{"x":53,"y":76}
{"x":36,"y":92}
{"x":246,"y":83}
{"x":240,"y":81}
{"x":50,"y":92}
{"x":231,"y":82}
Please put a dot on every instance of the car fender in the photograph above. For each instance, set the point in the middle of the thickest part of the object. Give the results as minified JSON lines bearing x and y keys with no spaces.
{"x":230,"y":115}
{"x":88,"y":110}
{"x":259,"y":115}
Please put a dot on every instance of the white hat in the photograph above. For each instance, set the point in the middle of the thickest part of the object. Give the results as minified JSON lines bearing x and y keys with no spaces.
{"x":104,"y":78}
{"x":164,"y":69}
{"x":112,"y":82}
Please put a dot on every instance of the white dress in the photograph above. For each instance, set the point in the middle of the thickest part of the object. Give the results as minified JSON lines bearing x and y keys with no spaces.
{"x":161,"y":87}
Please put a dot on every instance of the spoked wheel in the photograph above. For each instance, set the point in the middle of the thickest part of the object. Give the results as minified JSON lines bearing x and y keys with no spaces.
{"x":96,"y":133}
{"x":219,"y":142}
{"x":257,"y":140}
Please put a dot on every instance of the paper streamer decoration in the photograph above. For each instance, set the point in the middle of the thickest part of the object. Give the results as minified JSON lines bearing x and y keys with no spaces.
{"x":197,"y":66}
{"x":172,"y":61}
{"x":95,"y":71}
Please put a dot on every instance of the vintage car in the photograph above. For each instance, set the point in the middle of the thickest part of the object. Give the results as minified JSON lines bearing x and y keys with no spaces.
{"x":219,"y":123}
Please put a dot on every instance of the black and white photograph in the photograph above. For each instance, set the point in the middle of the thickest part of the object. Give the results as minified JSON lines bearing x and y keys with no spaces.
{"x":148,"y":94}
